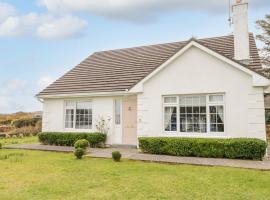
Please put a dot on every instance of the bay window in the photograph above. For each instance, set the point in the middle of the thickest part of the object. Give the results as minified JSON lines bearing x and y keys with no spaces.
{"x":78,"y":114}
{"x":194,"y":113}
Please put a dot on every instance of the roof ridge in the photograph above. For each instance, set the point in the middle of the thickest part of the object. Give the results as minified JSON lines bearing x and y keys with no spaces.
{"x":166,"y":43}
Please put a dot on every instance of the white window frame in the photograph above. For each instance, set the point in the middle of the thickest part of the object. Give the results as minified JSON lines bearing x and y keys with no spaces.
{"x":74,"y":112}
{"x":208,"y":104}
{"x":114,"y":107}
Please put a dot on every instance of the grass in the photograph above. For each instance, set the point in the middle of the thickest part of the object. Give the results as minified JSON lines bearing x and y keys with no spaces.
{"x":40,"y":175}
{"x":16,"y":141}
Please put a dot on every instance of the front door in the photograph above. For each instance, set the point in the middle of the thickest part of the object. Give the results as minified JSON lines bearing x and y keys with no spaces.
{"x":130,"y":120}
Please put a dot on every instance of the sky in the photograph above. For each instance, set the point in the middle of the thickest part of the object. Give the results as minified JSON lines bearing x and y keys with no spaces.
{"x":42,"y":39}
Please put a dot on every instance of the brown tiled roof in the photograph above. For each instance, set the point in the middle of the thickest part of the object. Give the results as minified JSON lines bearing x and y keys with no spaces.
{"x":118,"y":70}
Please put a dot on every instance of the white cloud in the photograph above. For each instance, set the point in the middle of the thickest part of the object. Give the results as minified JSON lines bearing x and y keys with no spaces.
{"x":6,"y":10}
{"x":139,"y":10}
{"x":18,"y":94}
{"x":45,"y":26}
{"x":10,"y":95}
{"x":64,"y":27}
{"x":44,"y":81}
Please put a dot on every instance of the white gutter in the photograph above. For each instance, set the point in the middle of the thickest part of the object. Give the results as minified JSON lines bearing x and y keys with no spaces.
{"x":77,"y":95}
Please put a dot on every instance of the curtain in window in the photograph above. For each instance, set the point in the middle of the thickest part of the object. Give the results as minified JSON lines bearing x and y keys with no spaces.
{"x":170,"y":121}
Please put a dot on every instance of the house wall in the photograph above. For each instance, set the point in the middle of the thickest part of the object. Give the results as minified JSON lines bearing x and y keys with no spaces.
{"x":53,"y":116}
{"x":196,"y":72}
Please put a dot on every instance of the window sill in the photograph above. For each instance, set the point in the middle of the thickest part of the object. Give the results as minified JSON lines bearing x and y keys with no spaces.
{"x":77,"y":130}
{"x":200,"y":135}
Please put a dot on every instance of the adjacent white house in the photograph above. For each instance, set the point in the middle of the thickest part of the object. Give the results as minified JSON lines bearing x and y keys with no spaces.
{"x":209,"y":87}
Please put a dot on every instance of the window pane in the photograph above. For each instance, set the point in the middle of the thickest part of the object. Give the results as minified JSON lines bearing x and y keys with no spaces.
{"x":202,"y":100}
{"x":196,"y":101}
{"x":117,"y":108}
{"x":188,"y":101}
{"x":170,"y":120}
{"x":69,"y":116}
{"x":216,"y":118}
{"x":216,"y":98}
{"x":193,"y":114}
{"x":83,"y":115}
{"x":182,"y":100}
{"x":70,"y":104}
{"x":170,"y":99}
{"x":220,"y":128}
{"x":83,"y":105}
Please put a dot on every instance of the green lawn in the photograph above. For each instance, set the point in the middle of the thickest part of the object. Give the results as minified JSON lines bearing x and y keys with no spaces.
{"x":16,"y":141}
{"x":47,"y":175}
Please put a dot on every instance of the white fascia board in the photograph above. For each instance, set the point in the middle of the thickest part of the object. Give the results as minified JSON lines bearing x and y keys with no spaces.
{"x":78,"y":95}
{"x":258,"y":80}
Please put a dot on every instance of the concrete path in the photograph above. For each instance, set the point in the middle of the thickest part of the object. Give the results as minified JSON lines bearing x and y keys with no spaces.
{"x":133,"y":154}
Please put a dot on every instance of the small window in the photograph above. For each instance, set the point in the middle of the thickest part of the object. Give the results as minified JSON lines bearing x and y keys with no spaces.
{"x":216,"y":98}
{"x":78,"y":114}
{"x":69,"y":118}
{"x":117,"y":110}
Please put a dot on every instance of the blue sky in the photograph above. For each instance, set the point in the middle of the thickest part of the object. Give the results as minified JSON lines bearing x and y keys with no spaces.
{"x":42,"y":39}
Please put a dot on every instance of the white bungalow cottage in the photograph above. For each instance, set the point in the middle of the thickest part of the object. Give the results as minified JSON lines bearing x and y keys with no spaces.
{"x":209,"y":87}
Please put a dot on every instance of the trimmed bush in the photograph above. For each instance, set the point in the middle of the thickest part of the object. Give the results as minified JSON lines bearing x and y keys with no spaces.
{"x":234,"y":148}
{"x":0,"y":145}
{"x":116,"y":155}
{"x":69,"y":139}
{"x":81,"y":144}
{"x":79,"y":152}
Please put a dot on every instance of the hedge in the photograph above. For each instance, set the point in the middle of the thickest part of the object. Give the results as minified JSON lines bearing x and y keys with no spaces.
{"x":234,"y":148}
{"x":69,"y":139}
{"x":19,"y":123}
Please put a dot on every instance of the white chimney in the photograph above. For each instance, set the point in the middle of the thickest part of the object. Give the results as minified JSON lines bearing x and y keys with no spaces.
{"x":240,"y":26}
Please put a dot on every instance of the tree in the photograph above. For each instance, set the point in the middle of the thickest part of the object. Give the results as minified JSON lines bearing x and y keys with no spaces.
{"x":264,"y":25}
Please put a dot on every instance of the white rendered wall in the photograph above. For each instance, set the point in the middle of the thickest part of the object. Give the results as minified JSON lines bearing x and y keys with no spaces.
{"x":53,"y":116}
{"x":196,"y":72}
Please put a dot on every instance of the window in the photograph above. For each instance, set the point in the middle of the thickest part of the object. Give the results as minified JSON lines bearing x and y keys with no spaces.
{"x":194,"y":114}
{"x":78,"y":114}
{"x":216,"y":110}
{"x":170,"y":118}
{"x":117,"y":111}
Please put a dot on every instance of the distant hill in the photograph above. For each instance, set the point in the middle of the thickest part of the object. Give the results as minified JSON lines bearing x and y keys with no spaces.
{"x":19,"y":115}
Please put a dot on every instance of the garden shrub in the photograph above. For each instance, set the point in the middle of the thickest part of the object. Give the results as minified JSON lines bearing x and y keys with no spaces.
{"x":0,"y":145}
{"x":83,"y":143}
{"x":25,"y":131}
{"x":234,"y":148}
{"x":79,"y":152}
{"x":116,"y":155}
{"x":69,"y":139}
{"x":19,"y":123}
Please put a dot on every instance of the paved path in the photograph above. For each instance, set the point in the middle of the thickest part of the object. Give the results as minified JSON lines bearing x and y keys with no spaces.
{"x":133,"y":154}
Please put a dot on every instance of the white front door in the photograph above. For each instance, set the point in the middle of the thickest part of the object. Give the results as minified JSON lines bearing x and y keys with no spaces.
{"x":118,"y":121}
